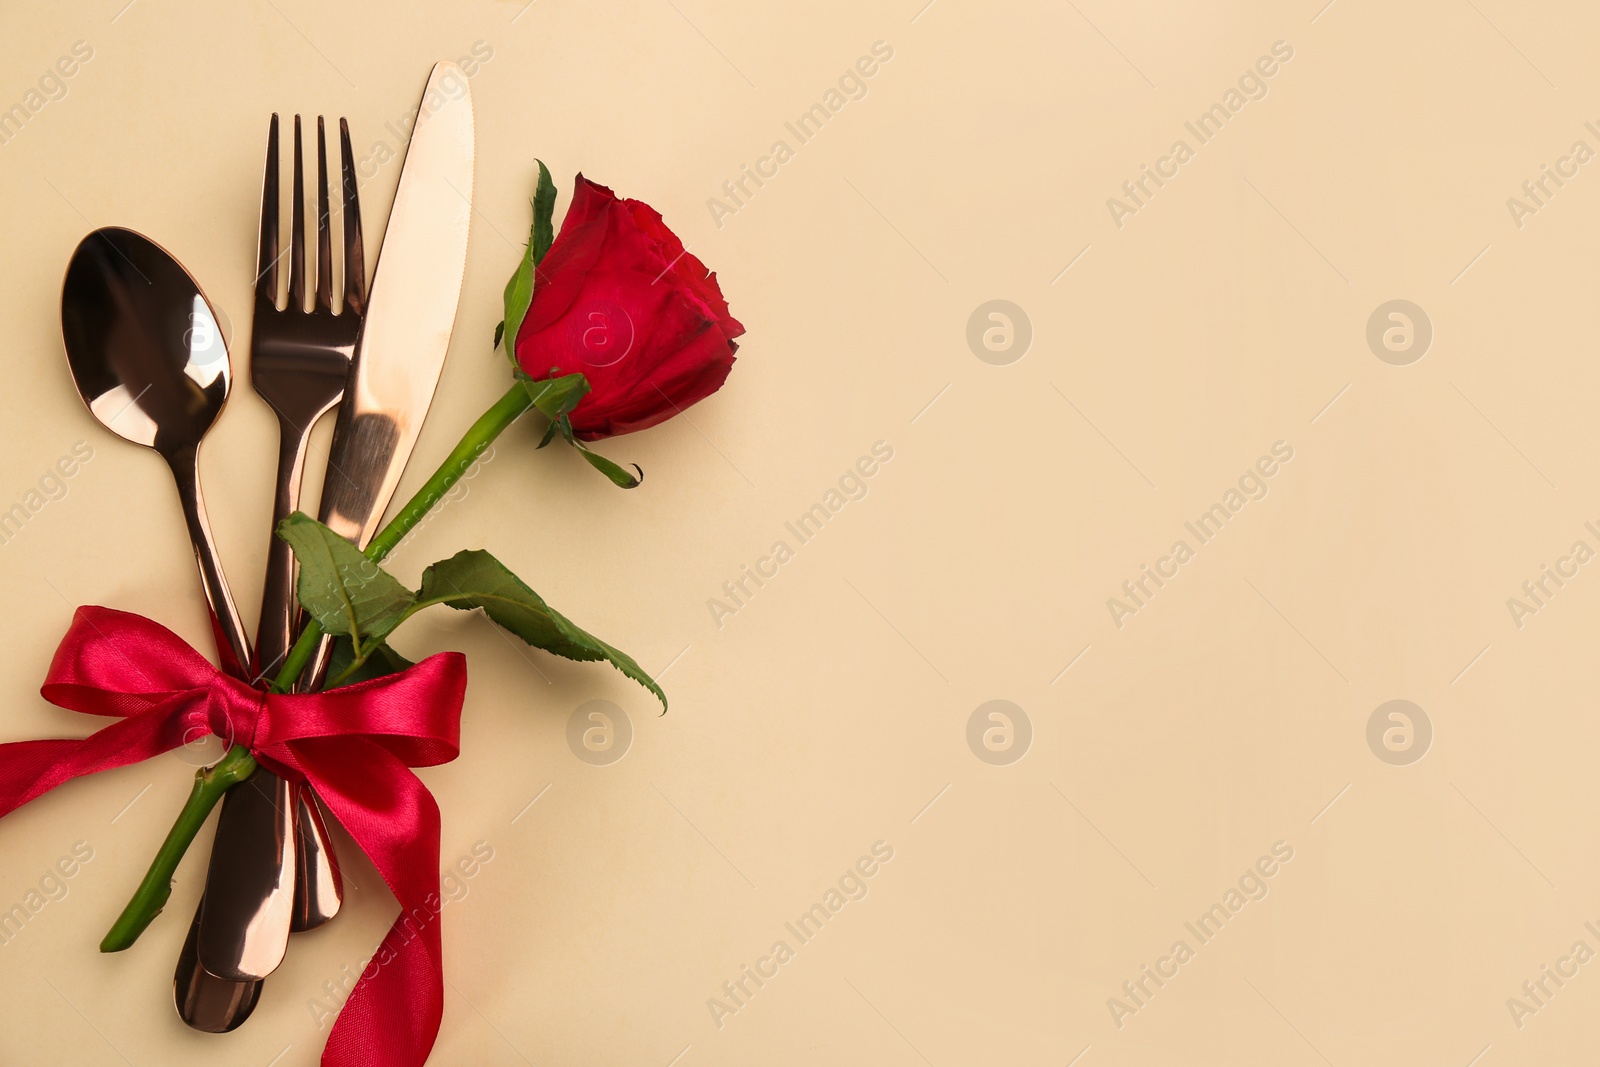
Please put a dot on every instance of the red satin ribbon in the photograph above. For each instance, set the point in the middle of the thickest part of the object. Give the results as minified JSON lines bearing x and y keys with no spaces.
{"x":353,"y":745}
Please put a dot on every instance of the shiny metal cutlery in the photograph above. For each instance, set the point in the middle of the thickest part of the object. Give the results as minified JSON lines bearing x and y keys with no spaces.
{"x":151,"y":363}
{"x":299,"y":363}
{"x":204,"y":1001}
{"x":249,"y":895}
{"x":300,"y":357}
{"x":409,"y":319}
{"x":273,"y":867}
{"x":166,"y":395}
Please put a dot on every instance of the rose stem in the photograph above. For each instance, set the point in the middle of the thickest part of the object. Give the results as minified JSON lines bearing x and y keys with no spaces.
{"x":151,"y":896}
{"x":238,"y":764}
{"x":489,"y":426}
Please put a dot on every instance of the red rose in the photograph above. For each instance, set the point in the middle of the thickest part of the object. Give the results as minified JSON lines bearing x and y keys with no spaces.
{"x":619,"y":300}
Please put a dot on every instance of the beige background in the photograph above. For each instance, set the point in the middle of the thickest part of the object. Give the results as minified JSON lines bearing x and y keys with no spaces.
{"x":831,"y":711}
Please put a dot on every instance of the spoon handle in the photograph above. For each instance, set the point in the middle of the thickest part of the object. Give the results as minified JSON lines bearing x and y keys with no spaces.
{"x":231,"y":639}
{"x":205,"y":1001}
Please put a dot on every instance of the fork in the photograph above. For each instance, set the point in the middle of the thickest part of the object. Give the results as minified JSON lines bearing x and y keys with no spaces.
{"x":300,"y":359}
{"x":299,"y":363}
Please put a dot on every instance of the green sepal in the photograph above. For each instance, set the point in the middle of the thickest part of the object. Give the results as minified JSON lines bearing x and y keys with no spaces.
{"x":519,"y":289}
{"x":618,"y":474}
{"x":555,"y":397}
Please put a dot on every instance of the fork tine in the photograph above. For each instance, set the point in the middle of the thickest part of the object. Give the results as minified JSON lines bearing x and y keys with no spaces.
{"x":355,"y":266}
{"x":297,"y":230}
{"x":324,"y":245}
{"x":267,"y":248}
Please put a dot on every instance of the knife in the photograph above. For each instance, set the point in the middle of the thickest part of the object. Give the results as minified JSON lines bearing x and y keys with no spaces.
{"x":399,"y":356}
{"x":410,"y":315}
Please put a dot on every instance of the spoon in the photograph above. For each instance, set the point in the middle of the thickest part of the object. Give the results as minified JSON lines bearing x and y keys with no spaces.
{"x":150,"y":361}
{"x":206,"y":1002}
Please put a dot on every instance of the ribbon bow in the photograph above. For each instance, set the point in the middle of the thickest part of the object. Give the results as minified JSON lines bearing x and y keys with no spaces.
{"x":355,"y":746}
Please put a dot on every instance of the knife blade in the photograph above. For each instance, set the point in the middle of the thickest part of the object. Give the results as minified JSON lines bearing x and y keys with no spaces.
{"x":410,"y":315}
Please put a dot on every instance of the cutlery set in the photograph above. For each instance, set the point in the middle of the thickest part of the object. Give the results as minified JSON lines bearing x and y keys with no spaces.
{"x":151,"y":364}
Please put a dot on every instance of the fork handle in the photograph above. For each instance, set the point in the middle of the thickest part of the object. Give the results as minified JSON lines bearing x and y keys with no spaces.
{"x":275,"y":633}
{"x":318,"y":888}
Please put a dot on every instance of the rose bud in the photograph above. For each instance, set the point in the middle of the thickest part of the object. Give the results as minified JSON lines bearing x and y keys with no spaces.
{"x":618,"y":300}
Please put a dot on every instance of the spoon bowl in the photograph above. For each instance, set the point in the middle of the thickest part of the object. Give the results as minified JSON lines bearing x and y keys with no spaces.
{"x":144,"y":346}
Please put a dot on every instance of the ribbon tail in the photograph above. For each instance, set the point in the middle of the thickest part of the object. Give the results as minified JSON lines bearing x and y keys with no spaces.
{"x":394,"y":1013}
{"x":29,"y":769}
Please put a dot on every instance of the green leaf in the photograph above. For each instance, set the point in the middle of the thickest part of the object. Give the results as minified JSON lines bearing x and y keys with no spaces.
{"x":499,"y":332}
{"x":343,"y":590}
{"x":519,"y":290}
{"x":550,"y":432}
{"x":381,"y":661}
{"x":475,"y":579}
{"x":555,"y":397}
